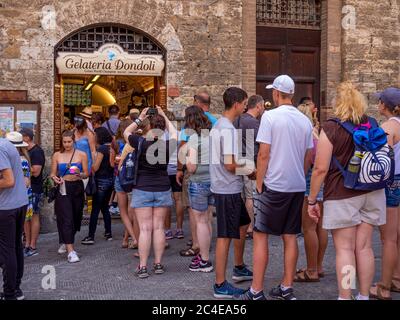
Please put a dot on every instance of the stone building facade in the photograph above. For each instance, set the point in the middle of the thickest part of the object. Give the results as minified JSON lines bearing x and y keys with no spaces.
{"x":208,"y":43}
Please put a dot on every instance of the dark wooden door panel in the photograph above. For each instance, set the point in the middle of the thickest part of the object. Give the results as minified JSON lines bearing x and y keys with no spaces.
{"x":294,"y":52}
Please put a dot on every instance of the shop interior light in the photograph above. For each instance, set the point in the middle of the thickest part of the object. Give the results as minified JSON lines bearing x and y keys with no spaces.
{"x":89,"y":86}
{"x":91,"y":82}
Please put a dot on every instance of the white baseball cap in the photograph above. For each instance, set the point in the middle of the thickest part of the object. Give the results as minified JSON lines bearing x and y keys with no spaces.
{"x":283,"y":84}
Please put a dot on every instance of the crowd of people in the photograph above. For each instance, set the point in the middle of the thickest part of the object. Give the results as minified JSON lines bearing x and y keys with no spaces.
{"x":261,"y":173}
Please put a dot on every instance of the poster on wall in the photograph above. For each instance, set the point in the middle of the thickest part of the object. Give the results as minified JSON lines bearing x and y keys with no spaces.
{"x":26,"y":119}
{"x":6,"y":120}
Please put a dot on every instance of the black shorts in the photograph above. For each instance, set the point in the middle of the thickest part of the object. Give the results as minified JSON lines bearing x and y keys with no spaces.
{"x":231,"y":215}
{"x":175,"y":187}
{"x":278,"y":213}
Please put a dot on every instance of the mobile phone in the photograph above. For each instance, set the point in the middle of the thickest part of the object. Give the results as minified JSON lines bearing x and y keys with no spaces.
{"x":152,"y":111}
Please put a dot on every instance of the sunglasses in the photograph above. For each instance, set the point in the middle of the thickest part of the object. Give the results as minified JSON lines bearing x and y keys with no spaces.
{"x":78,"y":120}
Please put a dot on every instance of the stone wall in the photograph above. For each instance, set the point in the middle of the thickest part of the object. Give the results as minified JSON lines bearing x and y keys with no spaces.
{"x":203,"y":39}
{"x":371,"y":51}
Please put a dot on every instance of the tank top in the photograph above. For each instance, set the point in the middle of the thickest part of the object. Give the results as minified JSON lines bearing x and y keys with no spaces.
{"x":63,"y":168}
{"x":83,"y":145}
{"x":396,"y":149}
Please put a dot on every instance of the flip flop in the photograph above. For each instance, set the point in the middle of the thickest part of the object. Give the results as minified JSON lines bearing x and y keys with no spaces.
{"x":378,"y":295}
{"x":189,"y":252}
{"x":393,"y":287}
{"x":305,"y":277}
{"x":124,"y":246}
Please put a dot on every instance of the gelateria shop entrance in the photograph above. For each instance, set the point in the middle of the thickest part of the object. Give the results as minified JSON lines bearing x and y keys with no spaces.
{"x":102,"y":65}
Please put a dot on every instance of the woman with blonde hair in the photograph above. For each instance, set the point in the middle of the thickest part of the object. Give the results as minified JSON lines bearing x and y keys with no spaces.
{"x":315,"y":237}
{"x":350,"y":214}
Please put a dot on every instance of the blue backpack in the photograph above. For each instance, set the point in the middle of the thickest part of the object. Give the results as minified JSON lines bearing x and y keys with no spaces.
{"x":128,"y":174}
{"x":375,"y":167}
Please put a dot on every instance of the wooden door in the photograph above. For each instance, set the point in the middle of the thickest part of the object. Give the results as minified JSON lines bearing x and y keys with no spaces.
{"x":294,"y":52}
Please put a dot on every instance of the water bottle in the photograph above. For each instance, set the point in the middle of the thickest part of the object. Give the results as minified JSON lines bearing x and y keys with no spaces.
{"x":353,"y":170}
{"x":129,"y":168}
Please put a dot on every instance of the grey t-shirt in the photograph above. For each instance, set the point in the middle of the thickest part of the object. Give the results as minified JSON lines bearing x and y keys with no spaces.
{"x":224,"y":141}
{"x":15,"y":197}
{"x":202,"y":146}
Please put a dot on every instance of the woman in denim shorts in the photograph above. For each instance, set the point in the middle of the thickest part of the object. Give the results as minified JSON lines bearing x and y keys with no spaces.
{"x":200,"y":196}
{"x":315,"y":237}
{"x":151,"y":196}
{"x":389,"y":107}
{"x":118,"y":152}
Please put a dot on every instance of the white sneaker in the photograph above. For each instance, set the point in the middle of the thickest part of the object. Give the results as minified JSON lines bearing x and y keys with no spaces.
{"x":114,"y":211}
{"x":73,"y":257}
{"x":62,"y":249}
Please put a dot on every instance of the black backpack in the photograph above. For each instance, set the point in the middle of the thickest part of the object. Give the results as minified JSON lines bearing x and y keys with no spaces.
{"x":128,"y":175}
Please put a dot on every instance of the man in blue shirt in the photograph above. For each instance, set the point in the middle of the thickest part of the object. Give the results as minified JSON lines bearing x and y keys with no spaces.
{"x":112,"y":124}
{"x":14,"y":200}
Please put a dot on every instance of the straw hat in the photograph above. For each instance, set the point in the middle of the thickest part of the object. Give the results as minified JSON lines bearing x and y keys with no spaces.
{"x":16,"y":139}
{"x":87,"y":113}
{"x":132,"y":111}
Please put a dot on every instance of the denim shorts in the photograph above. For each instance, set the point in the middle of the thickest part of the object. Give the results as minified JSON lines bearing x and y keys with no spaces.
{"x":200,"y":196}
{"x":117,"y":185}
{"x":320,"y":195}
{"x":37,"y":202}
{"x":148,"y":199}
{"x":392,"y":192}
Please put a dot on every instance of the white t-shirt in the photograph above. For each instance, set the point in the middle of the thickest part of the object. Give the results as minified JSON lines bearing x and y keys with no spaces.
{"x":289,"y":132}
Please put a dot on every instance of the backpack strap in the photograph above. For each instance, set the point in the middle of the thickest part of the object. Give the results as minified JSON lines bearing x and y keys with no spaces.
{"x":349,"y":127}
{"x":109,"y":128}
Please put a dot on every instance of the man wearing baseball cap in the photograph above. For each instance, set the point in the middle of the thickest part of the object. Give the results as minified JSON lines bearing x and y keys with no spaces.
{"x":285,"y":138}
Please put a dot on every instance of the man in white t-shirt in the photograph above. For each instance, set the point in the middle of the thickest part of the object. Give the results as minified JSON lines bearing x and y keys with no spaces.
{"x":285,"y":138}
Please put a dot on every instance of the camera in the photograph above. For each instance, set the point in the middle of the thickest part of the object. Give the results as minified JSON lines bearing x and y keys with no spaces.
{"x":152,"y":111}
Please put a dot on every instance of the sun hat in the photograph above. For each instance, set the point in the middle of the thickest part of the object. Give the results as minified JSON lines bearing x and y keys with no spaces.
{"x":87,"y":113}
{"x":16,"y":139}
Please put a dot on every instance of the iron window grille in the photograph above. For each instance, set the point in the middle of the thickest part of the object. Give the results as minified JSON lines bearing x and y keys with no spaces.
{"x":92,"y":38}
{"x":301,"y":14}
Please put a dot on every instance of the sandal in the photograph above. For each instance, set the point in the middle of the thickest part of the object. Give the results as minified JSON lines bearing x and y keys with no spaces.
{"x":393,"y":287}
{"x":249,"y":235}
{"x":189,"y":252}
{"x":133,"y":245}
{"x":379,"y":287}
{"x":303,"y":276}
{"x":124,"y":246}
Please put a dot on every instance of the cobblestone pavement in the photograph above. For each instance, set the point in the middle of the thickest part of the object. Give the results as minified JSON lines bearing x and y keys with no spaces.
{"x":106,"y":271}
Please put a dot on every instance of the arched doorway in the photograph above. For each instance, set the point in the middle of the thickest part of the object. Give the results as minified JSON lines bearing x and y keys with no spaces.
{"x":105,"y":64}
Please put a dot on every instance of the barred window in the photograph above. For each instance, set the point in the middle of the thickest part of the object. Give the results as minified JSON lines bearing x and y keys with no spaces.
{"x":92,"y":38}
{"x":302,"y":14}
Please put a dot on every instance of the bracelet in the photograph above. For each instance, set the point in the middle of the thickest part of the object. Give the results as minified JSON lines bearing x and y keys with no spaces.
{"x":312,"y":203}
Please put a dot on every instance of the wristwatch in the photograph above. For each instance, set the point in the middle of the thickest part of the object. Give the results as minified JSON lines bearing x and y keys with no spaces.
{"x":138,"y":122}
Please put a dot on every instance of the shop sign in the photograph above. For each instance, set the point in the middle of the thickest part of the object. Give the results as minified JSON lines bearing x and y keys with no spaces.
{"x":110,"y":59}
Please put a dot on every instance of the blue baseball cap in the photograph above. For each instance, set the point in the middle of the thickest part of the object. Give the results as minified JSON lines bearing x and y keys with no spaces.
{"x":390,"y":97}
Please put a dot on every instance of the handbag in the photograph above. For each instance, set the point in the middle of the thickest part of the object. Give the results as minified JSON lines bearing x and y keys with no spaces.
{"x":91,"y":187}
{"x":53,"y":192}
